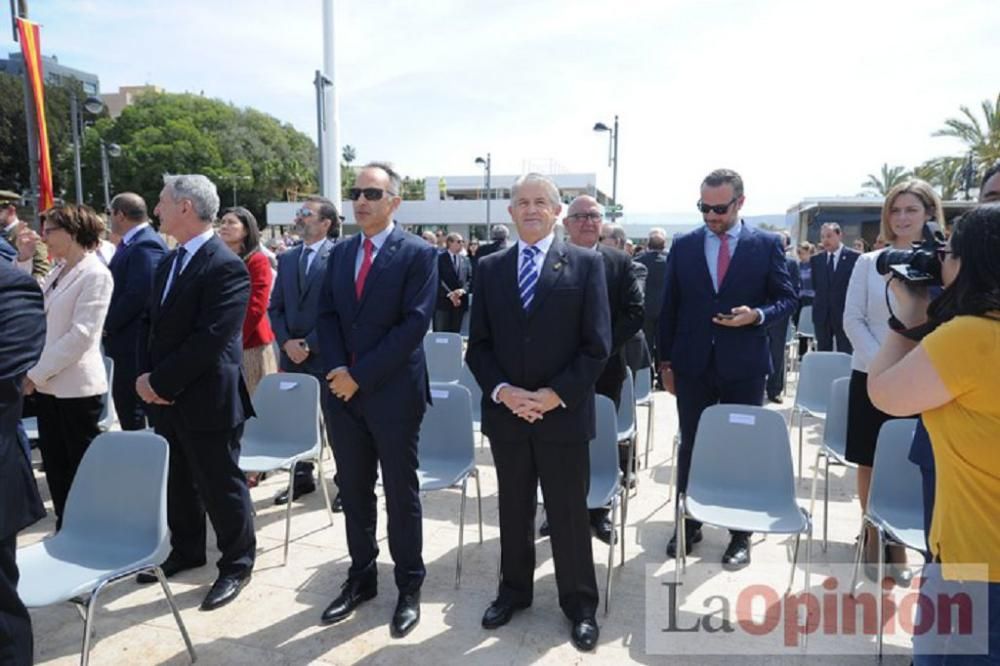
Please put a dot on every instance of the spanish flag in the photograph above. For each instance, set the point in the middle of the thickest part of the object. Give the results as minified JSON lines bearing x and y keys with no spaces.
{"x":28,"y":33}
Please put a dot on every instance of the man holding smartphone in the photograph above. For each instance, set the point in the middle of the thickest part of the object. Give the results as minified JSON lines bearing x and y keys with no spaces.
{"x":724,"y":281}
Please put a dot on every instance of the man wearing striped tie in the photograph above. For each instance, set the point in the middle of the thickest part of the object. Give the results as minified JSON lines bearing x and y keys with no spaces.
{"x":539,"y":337}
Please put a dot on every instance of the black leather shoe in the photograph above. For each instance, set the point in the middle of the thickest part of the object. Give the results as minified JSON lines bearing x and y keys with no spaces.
{"x":775,"y":399}
{"x":353,"y":593}
{"x":737,"y":553}
{"x":585,"y":634}
{"x":336,"y":505}
{"x":407,"y":614}
{"x":543,"y":530}
{"x":171,"y":567}
{"x":499,"y":613}
{"x":693,"y":536}
{"x":603,"y":531}
{"x":298,"y":490}
{"x":224,"y":590}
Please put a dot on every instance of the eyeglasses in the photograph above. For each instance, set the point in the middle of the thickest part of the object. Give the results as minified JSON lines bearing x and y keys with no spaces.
{"x":371,"y":193}
{"x":304,"y":212}
{"x":718,"y":210}
{"x":583,"y":217}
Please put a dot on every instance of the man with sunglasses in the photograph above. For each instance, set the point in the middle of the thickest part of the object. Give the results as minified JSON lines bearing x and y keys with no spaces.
{"x":294,"y":309}
{"x":455,"y":273}
{"x":376,"y":303}
{"x":724,"y":281}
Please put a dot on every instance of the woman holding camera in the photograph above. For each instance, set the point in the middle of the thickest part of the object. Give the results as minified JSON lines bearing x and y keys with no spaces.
{"x":951,"y":378}
{"x":908,"y":207}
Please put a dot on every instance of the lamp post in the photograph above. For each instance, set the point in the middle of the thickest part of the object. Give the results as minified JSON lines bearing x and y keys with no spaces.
{"x":322,"y":82}
{"x":234,"y":179}
{"x":968,"y":175}
{"x":488,"y":164}
{"x":612,"y":158}
{"x":108,"y":150}
{"x":93,"y":105}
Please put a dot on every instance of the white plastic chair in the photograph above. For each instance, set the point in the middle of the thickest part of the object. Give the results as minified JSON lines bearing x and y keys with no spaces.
{"x":108,"y":417}
{"x":444,"y":356}
{"x":834,"y":445}
{"x":467,"y":380}
{"x":644,"y":398}
{"x":812,"y":391}
{"x":114,"y":527}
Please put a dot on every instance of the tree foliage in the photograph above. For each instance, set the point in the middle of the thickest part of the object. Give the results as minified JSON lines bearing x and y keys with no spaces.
{"x":887,"y":178}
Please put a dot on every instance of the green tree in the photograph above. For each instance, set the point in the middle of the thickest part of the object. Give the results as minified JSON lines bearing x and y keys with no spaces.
{"x":886,"y":179}
{"x":944,"y":173}
{"x":981,"y":137}
{"x":348,"y":154}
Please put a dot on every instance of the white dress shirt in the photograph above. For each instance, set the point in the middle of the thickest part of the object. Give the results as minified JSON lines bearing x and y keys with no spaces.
{"x":378,"y":240}
{"x":190,"y":247}
{"x":130,"y":234}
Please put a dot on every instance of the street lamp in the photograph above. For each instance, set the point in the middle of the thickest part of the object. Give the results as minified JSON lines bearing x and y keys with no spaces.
{"x":612,"y":158}
{"x":108,"y":150}
{"x":235,"y":179}
{"x":488,"y":164}
{"x":93,"y":105}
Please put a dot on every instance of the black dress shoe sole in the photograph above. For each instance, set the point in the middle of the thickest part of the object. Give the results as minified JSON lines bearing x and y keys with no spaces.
{"x":207,"y":606}
{"x":366,"y":596}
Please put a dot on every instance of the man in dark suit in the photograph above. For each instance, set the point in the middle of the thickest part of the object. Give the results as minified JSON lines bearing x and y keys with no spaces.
{"x":831,"y":272}
{"x":724,"y":282}
{"x":132,"y":268}
{"x":540,"y":335}
{"x":375,"y":306}
{"x":777,"y":331}
{"x":655,"y":261}
{"x":454,"y":278}
{"x":23,"y":317}
{"x":191,"y":380}
{"x":294,"y":310}
{"x":499,"y":235}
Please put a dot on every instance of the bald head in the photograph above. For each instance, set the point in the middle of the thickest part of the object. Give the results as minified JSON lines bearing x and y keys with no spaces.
{"x":128,"y":210}
{"x":583,"y":221}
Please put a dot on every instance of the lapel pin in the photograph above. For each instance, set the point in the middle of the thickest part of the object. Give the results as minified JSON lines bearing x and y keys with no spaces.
{"x":557,"y":266}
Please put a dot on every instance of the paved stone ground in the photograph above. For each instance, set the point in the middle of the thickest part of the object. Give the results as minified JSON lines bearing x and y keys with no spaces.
{"x":275,"y":620}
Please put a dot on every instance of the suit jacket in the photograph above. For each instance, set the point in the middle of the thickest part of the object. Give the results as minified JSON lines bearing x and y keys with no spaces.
{"x":449,"y":280}
{"x":492,"y":248}
{"x":562,"y":342}
{"x":757,"y":277}
{"x":380,"y":338}
{"x":626,"y":311}
{"x":656,"y":277}
{"x":193,"y":340}
{"x":7,"y":251}
{"x":779,"y":324}
{"x":294,"y":308}
{"x":256,"y":326}
{"x":76,"y":304}
{"x":828,"y":304}
{"x":23,"y":316}
{"x":132,"y":268}
{"x":40,"y":265}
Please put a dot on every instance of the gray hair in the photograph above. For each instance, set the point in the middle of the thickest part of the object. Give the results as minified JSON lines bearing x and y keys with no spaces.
{"x":499,"y":232}
{"x":197,"y":189}
{"x":589,"y":199}
{"x":395,"y":182}
{"x":550,"y":187}
{"x":615,"y":231}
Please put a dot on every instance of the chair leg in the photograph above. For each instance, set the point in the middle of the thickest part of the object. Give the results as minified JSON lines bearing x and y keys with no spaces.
{"x":673,"y":466}
{"x":461,"y":535}
{"x":624,"y":512}
{"x":857,"y":554}
{"x":322,"y":483}
{"x":812,"y":491}
{"x":650,"y":415}
{"x":677,"y":559}
{"x":176,"y":612}
{"x":288,"y":510}
{"x":611,"y":554}
{"x":801,"y":415}
{"x":479,"y":503}
{"x":795,"y":561}
{"x":826,"y":501}
{"x":88,"y":624}
{"x":878,"y":586}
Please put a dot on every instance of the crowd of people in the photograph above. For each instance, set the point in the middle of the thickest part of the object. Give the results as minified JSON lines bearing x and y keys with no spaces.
{"x":552,"y":322}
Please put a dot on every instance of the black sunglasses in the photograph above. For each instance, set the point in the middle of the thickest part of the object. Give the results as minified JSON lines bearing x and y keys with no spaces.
{"x":371,"y":193}
{"x":718,"y":210}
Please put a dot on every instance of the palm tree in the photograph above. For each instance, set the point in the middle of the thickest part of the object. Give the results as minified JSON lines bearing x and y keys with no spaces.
{"x":981,"y":137}
{"x":348,"y":154}
{"x":889,"y":178}
{"x":944,"y":173}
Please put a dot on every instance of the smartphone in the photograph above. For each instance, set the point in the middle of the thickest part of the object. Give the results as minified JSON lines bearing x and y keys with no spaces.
{"x":725,"y":316}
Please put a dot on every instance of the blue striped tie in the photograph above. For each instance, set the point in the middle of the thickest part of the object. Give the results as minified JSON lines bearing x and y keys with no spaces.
{"x":527,"y":280}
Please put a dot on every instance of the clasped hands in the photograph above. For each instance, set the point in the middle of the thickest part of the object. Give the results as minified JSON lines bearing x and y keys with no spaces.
{"x":342,"y":384}
{"x":146,"y":392}
{"x":456,"y":297}
{"x":529,"y":405}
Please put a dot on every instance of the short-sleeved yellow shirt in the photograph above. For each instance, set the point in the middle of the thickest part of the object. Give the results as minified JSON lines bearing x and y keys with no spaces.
{"x":965,"y":436}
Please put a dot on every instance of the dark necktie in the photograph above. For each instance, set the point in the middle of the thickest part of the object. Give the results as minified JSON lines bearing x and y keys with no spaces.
{"x":528,"y":277}
{"x":304,"y":266}
{"x":829,"y":264}
{"x":176,"y":273}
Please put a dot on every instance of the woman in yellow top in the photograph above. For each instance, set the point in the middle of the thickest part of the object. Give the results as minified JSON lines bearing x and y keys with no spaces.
{"x":952,"y":378}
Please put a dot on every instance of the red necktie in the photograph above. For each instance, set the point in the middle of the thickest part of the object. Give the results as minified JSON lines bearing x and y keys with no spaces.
{"x":366,"y":265}
{"x":722,"y":264}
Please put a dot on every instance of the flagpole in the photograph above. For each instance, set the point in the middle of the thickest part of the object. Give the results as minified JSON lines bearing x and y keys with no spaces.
{"x":330,"y":139}
{"x":19,"y":9}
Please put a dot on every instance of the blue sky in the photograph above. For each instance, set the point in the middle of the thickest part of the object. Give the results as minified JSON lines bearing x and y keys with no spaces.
{"x":803,"y":97}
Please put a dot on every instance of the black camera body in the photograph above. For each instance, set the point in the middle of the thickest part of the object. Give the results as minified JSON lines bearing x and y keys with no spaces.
{"x":919,"y":265}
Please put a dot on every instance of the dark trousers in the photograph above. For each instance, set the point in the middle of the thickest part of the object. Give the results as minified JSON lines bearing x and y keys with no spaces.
{"x":205,"y":477}
{"x":16,"y":647}
{"x":828,"y":332}
{"x":361,"y":446}
{"x":66,"y":427}
{"x":651,"y":331}
{"x":128,"y":406}
{"x":776,"y":335}
{"x":694,"y":394}
{"x":564,"y":472}
{"x":448,"y":320}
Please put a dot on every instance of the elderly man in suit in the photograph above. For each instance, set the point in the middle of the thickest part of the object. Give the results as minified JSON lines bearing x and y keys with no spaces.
{"x":455,"y":277}
{"x":724,"y":281}
{"x":831,"y":272}
{"x":132,"y":268}
{"x":23,"y":317}
{"x":539,"y":339}
{"x":294,"y":310}
{"x":191,"y":381}
{"x":376,"y":304}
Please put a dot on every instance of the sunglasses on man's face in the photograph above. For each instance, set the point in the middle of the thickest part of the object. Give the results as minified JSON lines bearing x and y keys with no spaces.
{"x":719,"y":209}
{"x":371,"y":193}
{"x":304,"y":212}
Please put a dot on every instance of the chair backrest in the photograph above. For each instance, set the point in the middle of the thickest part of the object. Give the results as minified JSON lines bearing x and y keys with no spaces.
{"x":119,"y":493}
{"x":743,"y":452}
{"x":806,"y":326}
{"x":626,"y":408}
{"x":643,"y":385}
{"x":790,"y":332}
{"x":816,"y":373}
{"x":444,"y":356}
{"x":446,"y":431}
{"x":287,"y":406}
{"x":896,"y":492}
{"x":108,"y":415}
{"x":468,"y":380}
{"x":604,"y":471}
{"x":835,"y":425}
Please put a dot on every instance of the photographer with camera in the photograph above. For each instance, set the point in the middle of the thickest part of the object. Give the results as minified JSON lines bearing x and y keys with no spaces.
{"x":950,"y":377}
{"x":908,"y":207}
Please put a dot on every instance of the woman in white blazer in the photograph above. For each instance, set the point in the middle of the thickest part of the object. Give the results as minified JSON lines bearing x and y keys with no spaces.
{"x":907,"y":208}
{"x":69,"y":380}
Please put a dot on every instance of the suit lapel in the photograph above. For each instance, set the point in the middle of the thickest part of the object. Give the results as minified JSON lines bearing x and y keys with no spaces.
{"x":702,"y":261}
{"x":316,"y":270}
{"x":193,"y":267}
{"x":385,"y":256}
{"x":552,"y":270}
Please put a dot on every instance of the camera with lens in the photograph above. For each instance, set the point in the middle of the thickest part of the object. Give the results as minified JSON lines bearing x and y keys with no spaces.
{"x":919,"y":265}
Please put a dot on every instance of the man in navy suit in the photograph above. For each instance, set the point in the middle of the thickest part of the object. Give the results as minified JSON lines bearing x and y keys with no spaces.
{"x":454,"y":276}
{"x":132,"y":268}
{"x":777,"y":331}
{"x":192,"y":384}
{"x":724,"y":282}
{"x":540,"y":335}
{"x":23,"y":317}
{"x":376,"y":304}
{"x":831,"y":273}
{"x":655,"y":261}
{"x":294,"y":310}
